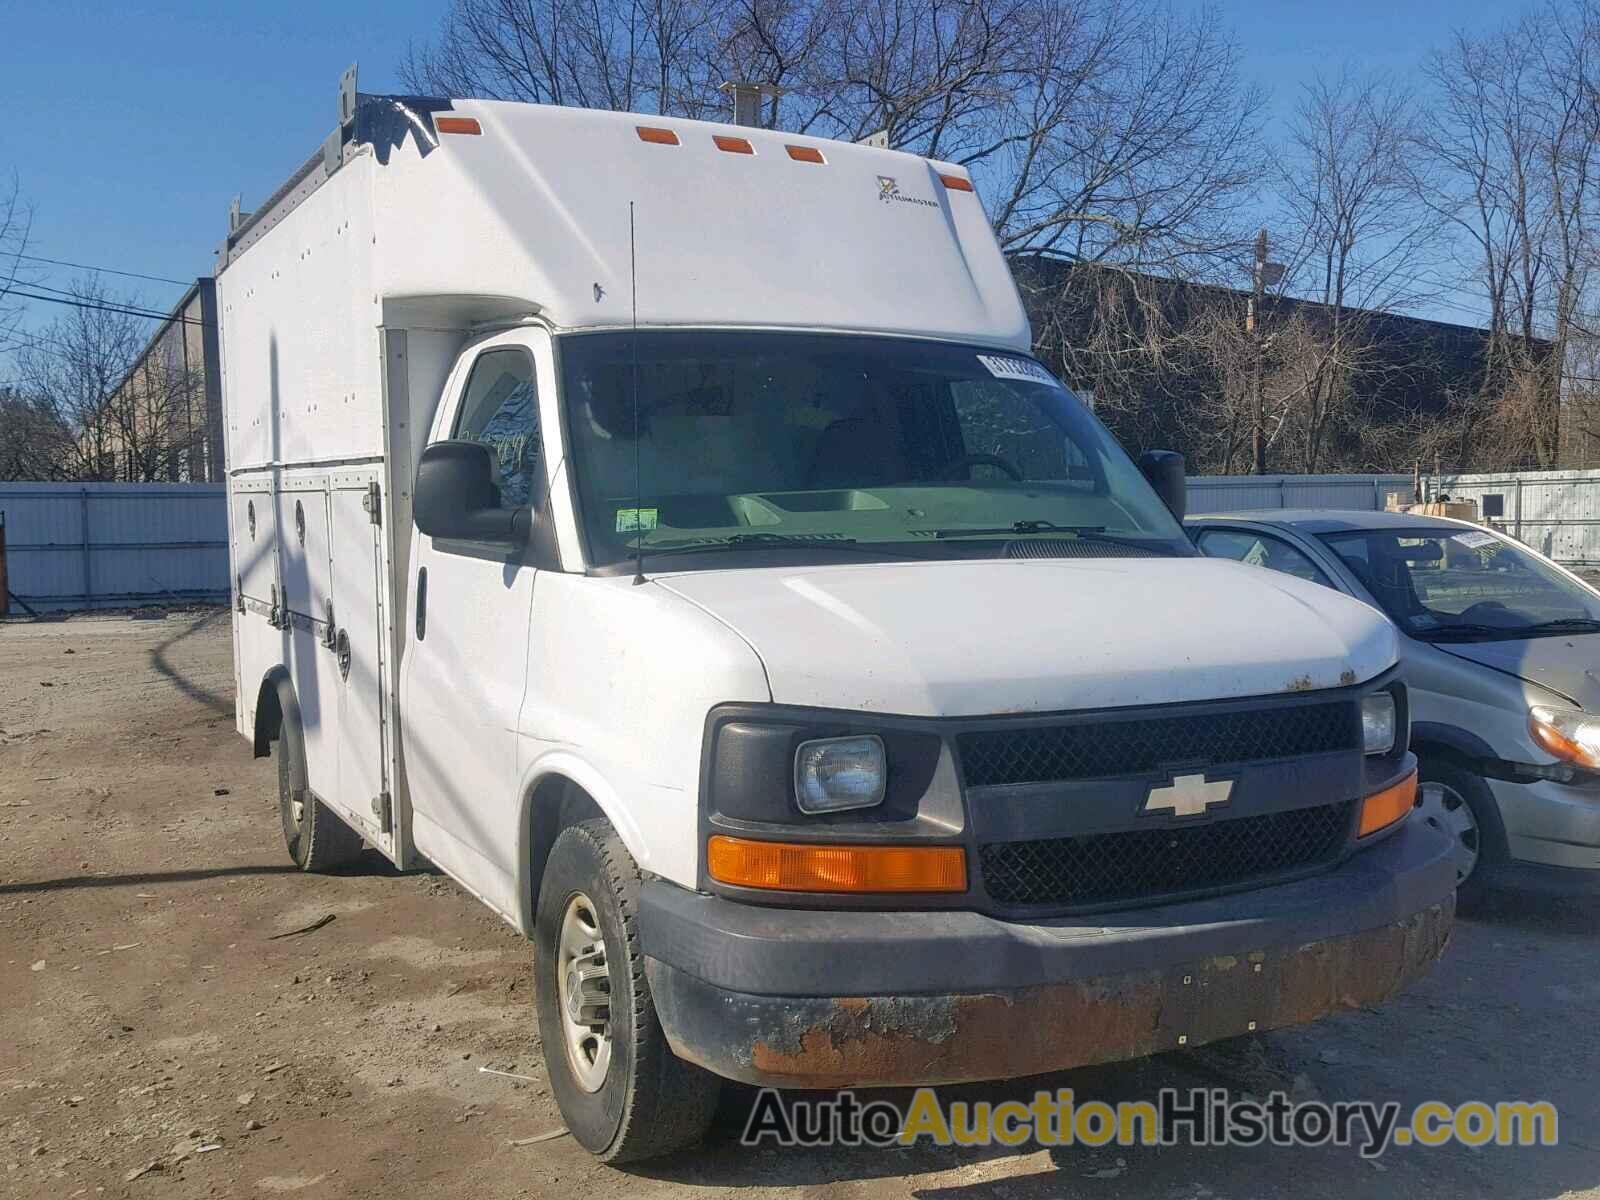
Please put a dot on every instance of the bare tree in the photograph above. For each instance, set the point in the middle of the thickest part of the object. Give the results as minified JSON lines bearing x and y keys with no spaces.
{"x":113,"y":414}
{"x":16,"y":219}
{"x":33,"y":444}
{"x":1514,"y":145}
{"x":1359,"y":247}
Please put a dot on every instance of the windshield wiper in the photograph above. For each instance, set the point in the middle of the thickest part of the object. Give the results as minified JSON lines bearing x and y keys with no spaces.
{"x":1020,"y":527}
{"x":1473,"y":632}
{"x":1563,"y":625}
{"x":1469,"y":632}
{"x":1087,"y":533}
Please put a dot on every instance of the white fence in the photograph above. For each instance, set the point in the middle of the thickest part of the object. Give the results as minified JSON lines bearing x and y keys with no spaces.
{"x":110,"y":545}
{"x":1556,"y":512}
{"x":1238,"y":493}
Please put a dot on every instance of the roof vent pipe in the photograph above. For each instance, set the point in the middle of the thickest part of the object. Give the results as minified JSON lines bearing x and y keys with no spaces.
{"x":747,"y":99}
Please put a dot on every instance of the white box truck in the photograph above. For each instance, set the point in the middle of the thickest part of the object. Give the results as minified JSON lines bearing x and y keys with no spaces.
{"x":663,"y":529}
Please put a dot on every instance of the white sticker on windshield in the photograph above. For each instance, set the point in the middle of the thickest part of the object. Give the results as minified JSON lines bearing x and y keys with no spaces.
{"x":1474,"y":541}
{"x":1025,"y":369}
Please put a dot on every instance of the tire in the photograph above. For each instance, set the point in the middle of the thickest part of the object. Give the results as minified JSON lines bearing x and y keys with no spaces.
{"x":644,"y":1101}
{"x":1462,"y":786}
{"x":317,"y":839}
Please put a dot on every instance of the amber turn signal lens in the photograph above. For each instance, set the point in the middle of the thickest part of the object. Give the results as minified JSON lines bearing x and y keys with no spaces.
{"x":804,"y":154}
{"x":956,"y":183}
{"x":733,"y":145}
{"x":794,"y":867}
{"x":1382,"y":809}
{"x":660,"y":137}
{"x":457,"y":125}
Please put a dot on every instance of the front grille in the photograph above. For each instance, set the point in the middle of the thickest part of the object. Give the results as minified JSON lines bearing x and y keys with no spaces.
{"x":1101,"y":749}
{"x":1147,"y":864}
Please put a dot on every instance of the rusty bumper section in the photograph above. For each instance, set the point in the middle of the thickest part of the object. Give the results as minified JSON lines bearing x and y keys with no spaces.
{"x":858,"y":1041}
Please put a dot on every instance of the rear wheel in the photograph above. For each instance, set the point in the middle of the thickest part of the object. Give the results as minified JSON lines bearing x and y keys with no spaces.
{"x":317,"y":839}
{"x":623,"y":1094}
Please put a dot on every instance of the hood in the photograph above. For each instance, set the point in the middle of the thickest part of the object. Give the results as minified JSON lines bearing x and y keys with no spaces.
{"x":1568,"y":665}
{"x":972,"y":638}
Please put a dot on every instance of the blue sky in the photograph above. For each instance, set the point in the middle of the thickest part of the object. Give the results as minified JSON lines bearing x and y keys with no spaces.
{"x":130,"y":125}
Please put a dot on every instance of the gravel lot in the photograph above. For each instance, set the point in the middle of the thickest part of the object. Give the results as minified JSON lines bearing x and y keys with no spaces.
{"x":146,"y":1010}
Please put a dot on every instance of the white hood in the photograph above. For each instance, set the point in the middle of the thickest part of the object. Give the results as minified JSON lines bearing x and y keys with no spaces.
{"x":971,"y":638}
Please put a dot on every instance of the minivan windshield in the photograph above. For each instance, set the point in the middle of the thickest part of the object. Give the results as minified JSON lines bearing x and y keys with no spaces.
{"x":744,"y":442}
{"x":1470,"y":585}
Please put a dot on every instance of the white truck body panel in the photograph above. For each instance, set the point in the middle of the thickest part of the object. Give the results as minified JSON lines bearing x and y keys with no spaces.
{"x":350,"y":322}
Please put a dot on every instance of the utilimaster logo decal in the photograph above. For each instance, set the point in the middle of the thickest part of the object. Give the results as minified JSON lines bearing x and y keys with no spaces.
{"x":1188,"y":795}
{"x":889,"y":193}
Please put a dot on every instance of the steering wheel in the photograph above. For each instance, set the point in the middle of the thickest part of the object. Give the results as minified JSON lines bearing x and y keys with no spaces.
{"x":1474,"y":614}
{"x":980,"y":460}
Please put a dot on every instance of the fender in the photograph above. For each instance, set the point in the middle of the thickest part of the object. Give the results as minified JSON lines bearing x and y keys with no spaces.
{"x":565,"y":763}
{"x":1464,"y":743}
{"x":275,"y":705}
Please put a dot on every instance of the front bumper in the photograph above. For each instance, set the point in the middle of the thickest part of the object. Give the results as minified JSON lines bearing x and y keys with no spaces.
{"x":1552,"y":834}
{"x":852,"y":999}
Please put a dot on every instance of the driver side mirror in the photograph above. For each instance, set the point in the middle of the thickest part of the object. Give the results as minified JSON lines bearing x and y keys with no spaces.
{"x":1164,"y":470}
{"x":456,"y":496}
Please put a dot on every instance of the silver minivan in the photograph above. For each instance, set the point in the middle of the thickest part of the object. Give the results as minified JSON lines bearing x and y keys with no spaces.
{"x":1501,"y":650}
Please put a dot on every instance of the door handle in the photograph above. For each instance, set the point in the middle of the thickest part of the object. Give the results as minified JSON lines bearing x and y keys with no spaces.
{"x":422,"y":603}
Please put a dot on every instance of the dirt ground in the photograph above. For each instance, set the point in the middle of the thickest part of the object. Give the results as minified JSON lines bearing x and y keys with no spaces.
{"x":147,"y":1013}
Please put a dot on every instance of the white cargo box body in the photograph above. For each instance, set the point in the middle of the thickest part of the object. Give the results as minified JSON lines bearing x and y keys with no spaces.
{"x":345,"y":300}
{"x":532,"y":215}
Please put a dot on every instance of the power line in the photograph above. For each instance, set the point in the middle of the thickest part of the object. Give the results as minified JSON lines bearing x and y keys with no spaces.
{"x":124,"y":310}
{"x":58,"y":262}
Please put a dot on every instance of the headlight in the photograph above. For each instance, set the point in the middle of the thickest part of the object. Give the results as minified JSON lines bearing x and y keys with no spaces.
{"x":1377,"y":723}
{"x":1568,"y":733}
{"x":834,"y":774}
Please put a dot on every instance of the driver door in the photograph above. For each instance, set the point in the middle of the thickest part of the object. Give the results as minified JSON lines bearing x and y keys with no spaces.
{"x":466,"y":669}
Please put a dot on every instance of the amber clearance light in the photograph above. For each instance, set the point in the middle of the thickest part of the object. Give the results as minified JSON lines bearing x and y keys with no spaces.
{"x":1382,"y":809}
{"x":793,"y":867}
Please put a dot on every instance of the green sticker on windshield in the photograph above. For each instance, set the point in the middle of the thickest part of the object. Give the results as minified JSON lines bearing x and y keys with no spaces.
{"x":635,"y":520}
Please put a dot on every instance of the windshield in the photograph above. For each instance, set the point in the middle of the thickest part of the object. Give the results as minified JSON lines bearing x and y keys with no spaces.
{"x":862,"y":445}
{"x":1465,"y":586}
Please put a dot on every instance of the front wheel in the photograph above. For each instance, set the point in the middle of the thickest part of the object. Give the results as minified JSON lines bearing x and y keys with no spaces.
{"x":623,"y":1093}
{"x":1459,"y":803}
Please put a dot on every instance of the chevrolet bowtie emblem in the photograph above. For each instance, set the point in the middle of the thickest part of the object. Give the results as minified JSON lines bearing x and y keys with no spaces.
{"x":1188,"y":795}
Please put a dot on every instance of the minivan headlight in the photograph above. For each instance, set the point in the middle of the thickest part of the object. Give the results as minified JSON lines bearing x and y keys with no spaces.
{"x":1570,"y":734}
{"x":1378,"y":723}
{"x":835,"y":774}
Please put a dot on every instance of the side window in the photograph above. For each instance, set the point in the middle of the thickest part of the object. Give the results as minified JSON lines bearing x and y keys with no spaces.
{"x":1260,"y":550}
{"x":501,"y":410}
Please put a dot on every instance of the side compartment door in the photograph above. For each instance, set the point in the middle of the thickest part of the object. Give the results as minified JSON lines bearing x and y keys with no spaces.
{"x":257,"y":592}
{"x":466,"y":665}
{"x":359,"y":657}
{"x":307,"y":599}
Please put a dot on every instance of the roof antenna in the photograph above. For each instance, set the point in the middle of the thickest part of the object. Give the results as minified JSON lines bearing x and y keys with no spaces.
{"x":638,"y":473}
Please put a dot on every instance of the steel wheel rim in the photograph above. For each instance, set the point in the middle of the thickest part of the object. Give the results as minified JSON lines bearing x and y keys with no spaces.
{"x":291,"y":800}
{"x":1447,"y":810}
{"x":583,"y":992}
